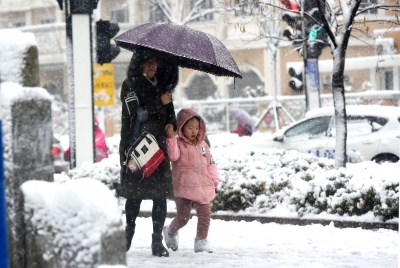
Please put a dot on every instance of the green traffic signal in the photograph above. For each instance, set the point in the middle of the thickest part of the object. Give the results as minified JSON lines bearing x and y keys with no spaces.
{"x":315,"y":32}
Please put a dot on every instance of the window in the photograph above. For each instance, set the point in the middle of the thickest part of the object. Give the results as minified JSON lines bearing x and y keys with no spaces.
{"x":312,"y":128}
{"x":388,"y":77}
{"x":119,"y":16}
{"x":362,"y":125}
{"x":367,"y":3}
{"x":206,"y":4}
{"x":16,"y":24}
{"x":250,"y":82}
{"x":157,"y":15}
{"x":47,"y":21}
{"x":201,"y":87}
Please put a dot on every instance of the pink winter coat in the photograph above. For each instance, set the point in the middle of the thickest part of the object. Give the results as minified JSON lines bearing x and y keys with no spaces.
{"x":193,"y":176}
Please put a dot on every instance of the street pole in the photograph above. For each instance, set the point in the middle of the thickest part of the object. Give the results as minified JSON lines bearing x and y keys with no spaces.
{"x":80,"y":84}
{"x":305,"y":70}
{"x":312,"y":78}
{"x":83,"y":81}
{"x":310,"y":59}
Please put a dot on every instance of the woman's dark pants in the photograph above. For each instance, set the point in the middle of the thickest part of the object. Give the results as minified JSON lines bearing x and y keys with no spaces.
{"x":132,"y":208}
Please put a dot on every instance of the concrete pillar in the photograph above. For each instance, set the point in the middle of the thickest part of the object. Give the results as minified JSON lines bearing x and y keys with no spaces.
{"x":396,"y":78}
{"x":28,"y":17}
{"x":223,"y":86}
{"x":268,"y":81}
{"x":373,"y":78}
{"x":28,"y":139}
{"x":30,"y":70}
{"x":132,"y":12}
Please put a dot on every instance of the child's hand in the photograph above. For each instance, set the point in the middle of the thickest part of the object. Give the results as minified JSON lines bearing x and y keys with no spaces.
{"x":169,"y":131}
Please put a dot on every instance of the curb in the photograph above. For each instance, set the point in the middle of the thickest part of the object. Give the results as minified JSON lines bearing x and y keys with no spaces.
{"x":293,"y":221}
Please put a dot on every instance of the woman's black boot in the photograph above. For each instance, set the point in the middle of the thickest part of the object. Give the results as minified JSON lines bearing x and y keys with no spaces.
{"x":157,"y":247}
{"x":129,"y":232}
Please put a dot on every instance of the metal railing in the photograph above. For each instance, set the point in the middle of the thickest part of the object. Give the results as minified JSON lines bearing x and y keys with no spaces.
{"x":217,"y":115}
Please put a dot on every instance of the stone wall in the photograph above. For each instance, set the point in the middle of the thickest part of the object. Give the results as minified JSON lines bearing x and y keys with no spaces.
{"x":68,"y":227}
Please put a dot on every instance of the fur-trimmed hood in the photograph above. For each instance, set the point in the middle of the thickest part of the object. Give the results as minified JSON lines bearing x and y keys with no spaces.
{"x":167,"y":67}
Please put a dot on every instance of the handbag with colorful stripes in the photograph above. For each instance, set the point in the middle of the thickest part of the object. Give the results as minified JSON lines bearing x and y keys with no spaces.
{"x":142,"y":154}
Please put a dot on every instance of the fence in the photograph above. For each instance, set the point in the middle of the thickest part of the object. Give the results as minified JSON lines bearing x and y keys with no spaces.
{"x":219,"y":120}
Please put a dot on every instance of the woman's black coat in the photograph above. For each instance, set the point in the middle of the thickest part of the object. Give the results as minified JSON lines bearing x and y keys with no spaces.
{"x":157,"y":115}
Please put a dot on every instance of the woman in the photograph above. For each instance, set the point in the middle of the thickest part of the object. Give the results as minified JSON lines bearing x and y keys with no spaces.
{"x":149,"y":84}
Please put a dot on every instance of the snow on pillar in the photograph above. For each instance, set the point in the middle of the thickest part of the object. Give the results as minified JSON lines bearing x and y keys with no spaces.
{"x":27,"y":130}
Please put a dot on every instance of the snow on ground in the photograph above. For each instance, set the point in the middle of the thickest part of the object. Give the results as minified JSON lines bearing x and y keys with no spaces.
{"x":252,"y":244}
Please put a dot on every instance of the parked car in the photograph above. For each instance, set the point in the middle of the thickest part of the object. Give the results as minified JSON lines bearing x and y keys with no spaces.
{"x":371,"y":133}
{"x":60,"y":164}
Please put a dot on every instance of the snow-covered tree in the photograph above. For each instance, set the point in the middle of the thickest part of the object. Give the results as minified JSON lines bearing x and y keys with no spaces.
{"x":339,"y":20}
{"x":188,"y":11}
{"x":267,"y":19}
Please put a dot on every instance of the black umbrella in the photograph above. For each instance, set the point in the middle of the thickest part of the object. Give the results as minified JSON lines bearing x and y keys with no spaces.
{"x":193,"y":49}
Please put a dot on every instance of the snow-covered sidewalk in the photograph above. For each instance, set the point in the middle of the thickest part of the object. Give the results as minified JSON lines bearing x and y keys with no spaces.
{"x":252,"y":244}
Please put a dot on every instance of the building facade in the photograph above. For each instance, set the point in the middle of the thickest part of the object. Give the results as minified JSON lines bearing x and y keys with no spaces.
{"x":370,"y":64}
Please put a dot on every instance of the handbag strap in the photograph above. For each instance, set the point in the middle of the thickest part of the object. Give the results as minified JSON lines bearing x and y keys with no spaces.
{"x":139,"y":115}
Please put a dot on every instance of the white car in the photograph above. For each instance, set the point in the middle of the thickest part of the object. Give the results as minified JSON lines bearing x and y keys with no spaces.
{"x":372,"y":132}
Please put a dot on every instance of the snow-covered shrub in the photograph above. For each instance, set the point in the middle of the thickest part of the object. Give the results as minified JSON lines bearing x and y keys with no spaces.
{"x":389,"y":208}
{"x":72,"y":224}
{"x":265,"y":181}
{"x":287,"y":183}
{"x":106,"y":171}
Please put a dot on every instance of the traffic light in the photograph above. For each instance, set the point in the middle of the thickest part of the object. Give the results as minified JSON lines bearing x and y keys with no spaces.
{"x":60,"y":4}
{"x":82,"y":6}
{"x":296,"y":80}
{"x":317,"y":38}
{"x":293,"y":19}
{"x":315,"y":33}
{"x":106,"y":51}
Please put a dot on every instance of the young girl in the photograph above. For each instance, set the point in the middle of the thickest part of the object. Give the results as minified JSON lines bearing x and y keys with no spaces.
{"x":194,"y":177}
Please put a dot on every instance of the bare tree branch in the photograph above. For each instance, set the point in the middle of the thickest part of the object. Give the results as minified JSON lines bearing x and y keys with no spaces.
{"x":164,"y":7}
{"x":383,"y":7}
{"x":181,"y":10}
{"x":326,"y":25}
{"x":348,"y":24}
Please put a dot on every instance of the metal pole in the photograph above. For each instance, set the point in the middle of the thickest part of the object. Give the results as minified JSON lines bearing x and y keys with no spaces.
{"x":71,"y":87}
{"x":3,"y":214}
{"x":303,"y":35}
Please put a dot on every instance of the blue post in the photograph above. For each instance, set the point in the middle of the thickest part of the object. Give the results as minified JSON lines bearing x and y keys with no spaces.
{"x":3,"y":215}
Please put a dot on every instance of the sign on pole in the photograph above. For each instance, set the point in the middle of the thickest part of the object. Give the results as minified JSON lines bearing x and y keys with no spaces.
{"x":312,"y":84}
{"x":103,"y":81}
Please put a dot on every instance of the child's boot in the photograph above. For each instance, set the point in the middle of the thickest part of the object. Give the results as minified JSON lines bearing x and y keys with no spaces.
{"x":157,"y":247}
{"x":172,"y":241}
{"x":202,"y":245}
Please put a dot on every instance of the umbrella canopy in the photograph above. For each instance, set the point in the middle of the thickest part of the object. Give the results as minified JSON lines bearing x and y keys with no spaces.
{"x":192,"y":48}
{"x":243,"y":118}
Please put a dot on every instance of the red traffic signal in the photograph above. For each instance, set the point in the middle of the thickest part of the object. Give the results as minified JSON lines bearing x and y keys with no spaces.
{"x":290,"y":5}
